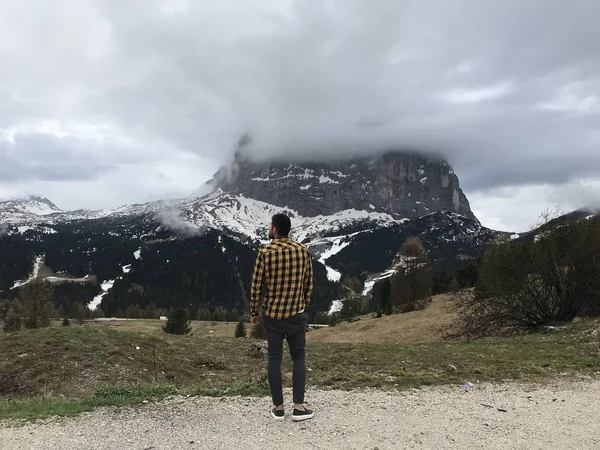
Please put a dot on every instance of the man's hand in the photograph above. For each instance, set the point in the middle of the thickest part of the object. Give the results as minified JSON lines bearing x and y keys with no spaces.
{"x":255,"y":320}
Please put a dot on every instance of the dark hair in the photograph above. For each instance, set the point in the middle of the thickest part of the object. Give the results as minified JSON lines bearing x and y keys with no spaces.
{"x":282,"y":223}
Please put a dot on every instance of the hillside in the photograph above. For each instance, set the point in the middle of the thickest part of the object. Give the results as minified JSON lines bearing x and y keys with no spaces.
{"x":423,"y":326}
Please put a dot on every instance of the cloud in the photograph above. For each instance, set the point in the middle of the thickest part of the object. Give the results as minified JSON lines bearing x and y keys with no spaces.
{"x":509,"y":91}
{"x":518,"y":208}
{"x":173,"y":220}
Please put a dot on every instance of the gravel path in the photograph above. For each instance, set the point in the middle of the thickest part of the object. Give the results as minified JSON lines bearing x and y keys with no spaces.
{"x":511,"y":416}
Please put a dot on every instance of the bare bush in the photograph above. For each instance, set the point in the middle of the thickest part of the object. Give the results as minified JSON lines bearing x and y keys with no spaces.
{"x":411,"y":286}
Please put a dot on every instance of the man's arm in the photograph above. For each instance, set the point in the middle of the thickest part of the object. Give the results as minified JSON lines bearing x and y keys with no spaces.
{"x":257,"y":284}
{"x":308,"y":280}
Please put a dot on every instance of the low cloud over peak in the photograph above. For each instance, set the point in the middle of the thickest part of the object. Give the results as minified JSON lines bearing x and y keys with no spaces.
{"x":508,"y":91}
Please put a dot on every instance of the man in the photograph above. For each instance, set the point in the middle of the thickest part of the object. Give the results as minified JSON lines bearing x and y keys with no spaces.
{"x":284,"y":271}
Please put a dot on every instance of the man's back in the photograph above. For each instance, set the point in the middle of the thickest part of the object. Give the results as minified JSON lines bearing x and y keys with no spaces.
{"x":284,"y":270}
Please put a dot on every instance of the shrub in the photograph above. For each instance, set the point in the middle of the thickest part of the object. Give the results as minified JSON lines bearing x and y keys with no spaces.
{"x":524,"y":285}
{"x":240,"y":330}
{"x":178,"y":322}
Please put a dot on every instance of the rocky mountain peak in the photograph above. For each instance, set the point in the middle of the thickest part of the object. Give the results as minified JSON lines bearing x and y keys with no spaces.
{"x":406,"y":185}
{"x":33,"y":204}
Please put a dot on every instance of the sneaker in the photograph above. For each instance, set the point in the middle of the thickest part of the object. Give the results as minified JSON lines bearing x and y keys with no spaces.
{"x":277,"y":414}
{"x":302,"y":414}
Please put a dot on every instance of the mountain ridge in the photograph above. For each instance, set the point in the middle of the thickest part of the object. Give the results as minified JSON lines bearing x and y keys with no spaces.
{"x":198,"y":252}
{"x":405,"y":185}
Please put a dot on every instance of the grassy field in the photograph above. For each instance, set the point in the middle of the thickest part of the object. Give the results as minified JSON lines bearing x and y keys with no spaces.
{"x":419,"y":327}
{"x":66,"y":370}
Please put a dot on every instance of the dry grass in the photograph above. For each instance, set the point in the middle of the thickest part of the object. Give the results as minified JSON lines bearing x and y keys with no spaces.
{"x":154,"y":327}
{"x":424,"y":326}
{"x":64,"y":370}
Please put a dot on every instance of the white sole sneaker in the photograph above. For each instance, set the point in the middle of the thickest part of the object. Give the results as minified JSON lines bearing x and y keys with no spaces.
{"x":277,"y":417}
{"x":303,"y":417}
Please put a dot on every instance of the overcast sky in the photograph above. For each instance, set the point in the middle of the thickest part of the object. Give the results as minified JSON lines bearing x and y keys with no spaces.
{"x":106,"y":102}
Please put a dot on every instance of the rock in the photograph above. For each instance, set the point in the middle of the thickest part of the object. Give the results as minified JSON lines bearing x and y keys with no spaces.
{"x":259,"y":350}
{"x":406,"y":185}
{"x":452,"y":367}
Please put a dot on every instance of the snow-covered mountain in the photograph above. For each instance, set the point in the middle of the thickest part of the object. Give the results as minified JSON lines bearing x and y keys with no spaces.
{"x":31,"y":208}
{"x":353,"y":216}
{"x":401,"y":184}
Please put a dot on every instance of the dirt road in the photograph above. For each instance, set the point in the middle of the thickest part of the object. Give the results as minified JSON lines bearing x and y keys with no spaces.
{"x":511,"y":416}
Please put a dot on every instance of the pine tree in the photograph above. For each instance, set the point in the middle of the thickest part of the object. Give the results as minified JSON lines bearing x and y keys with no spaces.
{"x":12,"y":321}
{"x":36,"y":298}
{"x":234,"y":315}
{"x":151,"y":312}
{"x":220,"y":314}
{"x":130,"y":312}
{"x":383,"y":301}
{"x":178,"y":322}
{"x":202,"y":315}
{"x":411,"y":286}
{"x":240,"y":330}
{"x":78,"y":312}
{"x":65,"y":322}
{"x":98,"y":313}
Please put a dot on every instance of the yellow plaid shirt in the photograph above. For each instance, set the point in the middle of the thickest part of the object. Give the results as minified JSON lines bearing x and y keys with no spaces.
{"x":283,"y":270}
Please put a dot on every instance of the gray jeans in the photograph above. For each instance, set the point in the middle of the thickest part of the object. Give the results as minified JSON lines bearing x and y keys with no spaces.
{"x":294,"y":331}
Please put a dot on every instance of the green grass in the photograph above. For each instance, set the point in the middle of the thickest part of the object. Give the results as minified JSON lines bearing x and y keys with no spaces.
{"x":68,"y":370}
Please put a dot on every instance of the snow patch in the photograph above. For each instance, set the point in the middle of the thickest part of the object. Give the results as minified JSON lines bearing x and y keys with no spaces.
{"x":36,"y":270}
{"x":340,"y":174}
{"x":515,"y":236}
{"x":326,"y":180}
{"x":138,"y":254}
{"x":338,"y":246}
{"x":106,"y":286}
{"x":336,"y":306}
{"x":371,"y":283}
{"x":127,"y":268}
{"x":56,"y":280}
{"x":306,"y":187}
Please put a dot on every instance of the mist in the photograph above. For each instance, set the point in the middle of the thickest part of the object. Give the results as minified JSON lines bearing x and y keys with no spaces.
{"x":174,"y":221}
